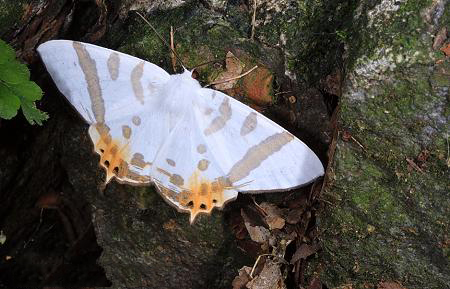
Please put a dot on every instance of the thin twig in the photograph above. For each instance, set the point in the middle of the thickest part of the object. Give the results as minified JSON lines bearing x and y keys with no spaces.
{"x":172,"y":47}
{"x":233,"y":78}
{"x":414,"y":165}
{"x":253,"y":19}
{"x":256,"y":263}
{"x":448,"y":153}
{"x":35,"y":230}
{"x":259,"y":207}
{"x":161,"y":38}
{"x":283,"y":92}
{"x":325,"y":201}
{"x":354,"y":139}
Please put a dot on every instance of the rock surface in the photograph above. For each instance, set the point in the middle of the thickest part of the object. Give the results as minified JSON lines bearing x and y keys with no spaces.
{"x":390,"y":180}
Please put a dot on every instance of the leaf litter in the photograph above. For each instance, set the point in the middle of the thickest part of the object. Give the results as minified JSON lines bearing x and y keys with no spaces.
{"x":284,"y":239}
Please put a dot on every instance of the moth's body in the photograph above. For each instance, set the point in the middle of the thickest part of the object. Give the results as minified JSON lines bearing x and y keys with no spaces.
{"x":179,"y":93}
{"x":197,"y":145}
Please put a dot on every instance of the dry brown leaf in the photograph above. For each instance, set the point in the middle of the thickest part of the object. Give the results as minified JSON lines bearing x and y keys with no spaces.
{"x":303,"y":252}
{"x":275,"y":222}
{"x":257,"y":233}
{"x":315,"y":284}
{"x":346,"y":136}
{"x":258,"y":86}
{"x":446,"y":49}
{"x":269,"y":278}
{"x":273,"y":216}
{"x":390,"y":285}
{"x":440,"y":38}
{"x":234,"y":68}
{"x":294,"y":216}
{"x":423,"y":156}
{"x":242,"y":279}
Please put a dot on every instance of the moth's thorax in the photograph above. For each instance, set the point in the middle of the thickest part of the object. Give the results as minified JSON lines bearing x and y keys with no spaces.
{"x":184,"y":82}
{"x":180,"y":91}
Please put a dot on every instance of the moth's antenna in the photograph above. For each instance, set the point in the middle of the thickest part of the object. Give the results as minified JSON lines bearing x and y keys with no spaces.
{"x":162,"y":39}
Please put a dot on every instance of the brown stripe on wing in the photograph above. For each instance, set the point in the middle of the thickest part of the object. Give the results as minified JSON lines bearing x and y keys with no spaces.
{"x":219,"y":122}
{"x":89,"y":68}
{"x":249,"y":124}
{"x":256,"y":154}
{"x":136,"y":75}
{"x":126,"y":131}
{"x":113,"y":65}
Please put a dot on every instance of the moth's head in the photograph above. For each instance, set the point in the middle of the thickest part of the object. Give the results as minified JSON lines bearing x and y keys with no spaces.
{"x":185,"y":79}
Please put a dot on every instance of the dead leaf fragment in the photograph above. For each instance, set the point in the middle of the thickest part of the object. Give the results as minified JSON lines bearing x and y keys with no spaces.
{"x":315,"y":284}
{"x":446,"y":49}
{"x":390,"y":285}
{"x":273,"y":216}
{"x":440,"y":38}
{"x":423,"y":156}
{"x":242,"y":279}
{"x":346,"y":136}
{"x":234,"y":68}
{"x":303,"y":252}
{"x":275,"y":222}
{"x":258,"y":234}
{"x":258,"y":86}
{"x":294,"y":216}
{"x":269,"y":278}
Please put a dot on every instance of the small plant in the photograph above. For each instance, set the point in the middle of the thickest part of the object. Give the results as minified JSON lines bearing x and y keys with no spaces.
{"x":16,"y":89}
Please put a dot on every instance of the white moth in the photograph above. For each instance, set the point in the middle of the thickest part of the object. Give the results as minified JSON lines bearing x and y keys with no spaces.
{"x":197,"y":145}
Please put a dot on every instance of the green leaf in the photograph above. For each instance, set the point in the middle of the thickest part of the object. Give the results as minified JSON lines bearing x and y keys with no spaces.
{"x":16,"y":90}
{"x":9,"y":102}
{"x":28,"y":90}
{"x":32,"y":114}
{"x":6,"y":52}
{"x":14,"y":72}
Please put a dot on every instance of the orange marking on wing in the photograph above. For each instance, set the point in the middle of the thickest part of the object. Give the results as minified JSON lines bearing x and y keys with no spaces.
{"x":202,"y":195}
{"x":113,"y":153}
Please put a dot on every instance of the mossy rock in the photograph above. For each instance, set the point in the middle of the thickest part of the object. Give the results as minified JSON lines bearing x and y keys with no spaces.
{"x":389,"y":184}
